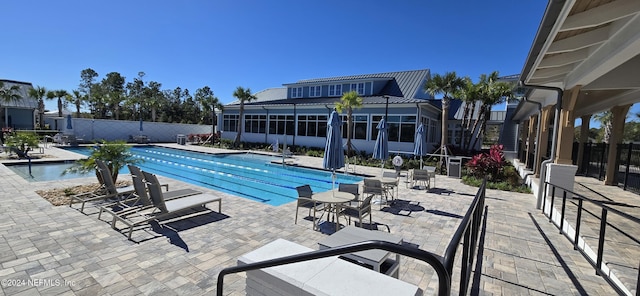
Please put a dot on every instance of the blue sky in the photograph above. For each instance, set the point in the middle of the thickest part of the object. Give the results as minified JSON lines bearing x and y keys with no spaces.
{"x":260,"y":44}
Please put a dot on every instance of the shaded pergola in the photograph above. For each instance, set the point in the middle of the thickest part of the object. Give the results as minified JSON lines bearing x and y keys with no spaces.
{"x":585,"y":59}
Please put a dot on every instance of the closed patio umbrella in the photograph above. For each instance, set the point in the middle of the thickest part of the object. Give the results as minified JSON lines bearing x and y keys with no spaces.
{"x":419,"y":143}
{"x":141,"y":129}
{"x":333,"y":153}
{"x":381,"y":148}
{"x":69,"y":126}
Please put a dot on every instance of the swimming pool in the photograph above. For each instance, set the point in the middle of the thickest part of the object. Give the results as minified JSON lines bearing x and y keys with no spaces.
{"x":46,"y":171}
{"x":247,"y":175}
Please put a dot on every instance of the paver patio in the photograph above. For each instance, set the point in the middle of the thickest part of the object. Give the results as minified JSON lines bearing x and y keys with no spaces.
{"x":70,"y":253}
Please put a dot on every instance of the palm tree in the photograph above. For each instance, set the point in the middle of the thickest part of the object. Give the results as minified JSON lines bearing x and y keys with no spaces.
{"x":38,"y":93}
{"x":491,"y":92}
{"x":75,"y":98}
{"x":447,"y":85}
{"x":155,"y":98}
{"x":61,"y":93}
{"x":348,"y":101}
{"x":8,"y":94}
{"x":208,"y":101}
{"x":244,"y":95}
{"x":469,"y":95}
{"x":606,"y":119}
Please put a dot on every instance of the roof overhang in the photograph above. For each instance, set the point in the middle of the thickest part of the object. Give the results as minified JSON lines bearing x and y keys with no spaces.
{"x":590,"y":45}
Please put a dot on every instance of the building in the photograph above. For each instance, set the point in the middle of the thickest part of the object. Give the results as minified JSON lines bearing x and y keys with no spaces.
{"x":297,"y":113}
{"x":18,"y":114}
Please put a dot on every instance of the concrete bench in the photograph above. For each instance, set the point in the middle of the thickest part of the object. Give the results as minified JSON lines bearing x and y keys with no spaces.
{"x":327,"y":276}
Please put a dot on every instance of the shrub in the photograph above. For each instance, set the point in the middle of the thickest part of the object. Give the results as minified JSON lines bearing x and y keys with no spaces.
{"x":488,"y":164}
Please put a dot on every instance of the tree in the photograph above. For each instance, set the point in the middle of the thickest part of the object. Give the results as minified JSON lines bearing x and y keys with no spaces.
{"x":447,"y":85}
{"x":348,"y":102}
{"x":605,"y":118}
{"x":244,"y":95}
{"x":61,"y":93}
{"x":469,"y":94}
{"x":155,"y":98}
{"x":209,"y":102}
{"x":115,"y":154}
{"x":9,"y":94}
{"x":75,"y":98}
{"x":38,"y":93}
{"x":113,"y":89}
{"x":491,"y":92}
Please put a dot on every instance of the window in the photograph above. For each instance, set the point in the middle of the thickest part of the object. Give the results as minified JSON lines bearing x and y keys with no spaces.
{"x":399,"y":128}
{"x":359,"y":87}
{"x":335,"y":90}
{"x":230,"y":122}
{"x":314,"y":91}
{"x":296,"y":92}
{"x":312,"y":125}
{"x":255,"y":124}
{"x":359,"y":130}
{"x":281,"y":124}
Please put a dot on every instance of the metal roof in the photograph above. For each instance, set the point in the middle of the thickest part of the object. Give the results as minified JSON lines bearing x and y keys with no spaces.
{"x":367,"y":100}
{"x":26,"y":102}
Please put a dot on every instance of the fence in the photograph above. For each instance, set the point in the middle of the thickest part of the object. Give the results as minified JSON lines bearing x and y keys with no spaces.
{"x":91,"y":130}
{"x":615,"y":270}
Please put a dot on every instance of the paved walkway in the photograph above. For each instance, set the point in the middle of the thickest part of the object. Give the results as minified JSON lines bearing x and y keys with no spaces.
{"x":47,"y":250}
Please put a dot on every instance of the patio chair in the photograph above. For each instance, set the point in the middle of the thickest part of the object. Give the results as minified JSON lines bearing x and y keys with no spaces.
{"x":353,"y":189}
{"x":141,"y":195}
{"x":373,"y":187}
{"x":431,"y":170}
{"x":360,"y":211}
{"x":305,"y":201}
{"x":162,"y":208}
{"x":420,"y":176}
{"x":390,"y":187}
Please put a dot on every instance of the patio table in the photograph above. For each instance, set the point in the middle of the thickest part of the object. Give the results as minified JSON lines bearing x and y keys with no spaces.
{"x":334,"y":200}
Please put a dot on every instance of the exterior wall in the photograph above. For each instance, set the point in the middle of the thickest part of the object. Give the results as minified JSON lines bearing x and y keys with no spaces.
{"x":20,"y":119}
{"x":366,"y":144}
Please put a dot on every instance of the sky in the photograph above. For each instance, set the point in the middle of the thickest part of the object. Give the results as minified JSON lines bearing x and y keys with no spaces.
{"x":256,"y":44}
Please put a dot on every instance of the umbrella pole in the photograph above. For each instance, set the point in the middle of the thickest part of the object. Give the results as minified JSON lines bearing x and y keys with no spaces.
{"x":421,"y":162}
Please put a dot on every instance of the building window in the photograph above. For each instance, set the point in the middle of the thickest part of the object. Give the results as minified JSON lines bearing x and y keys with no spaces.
{"x":314,"y":91}
{"x":230,"y":122}
{"x":359,"y":87}
{"x":256,"y":124}
{"x":281,"y":124}
{"x":296,"y":92}
{"x":359,"y":130}
{"x":312,"y":125}
{"x":335,"y":90}
{"x":399,"y":128}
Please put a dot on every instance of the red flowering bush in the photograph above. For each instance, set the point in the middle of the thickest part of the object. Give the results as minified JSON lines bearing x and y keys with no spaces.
{"x":490,"y":165}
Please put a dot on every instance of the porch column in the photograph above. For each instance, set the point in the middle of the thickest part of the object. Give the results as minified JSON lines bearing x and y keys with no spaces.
{"x":531,"y":140}
{"x":564,"y":146}
{"x":619,"y":114}
{"x":524,"y":133}
{"x":543,"y":142}
{"x":584,"y":137}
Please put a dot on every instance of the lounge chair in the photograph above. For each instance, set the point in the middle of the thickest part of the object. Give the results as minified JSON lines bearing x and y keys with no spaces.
{"x":161,"y":208}
{"x":108,"y":189}
{"x":142,"y":200}
{"x":305,"y":201}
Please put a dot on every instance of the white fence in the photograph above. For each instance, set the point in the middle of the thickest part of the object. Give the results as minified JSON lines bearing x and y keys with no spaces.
{"x":90,"y":130}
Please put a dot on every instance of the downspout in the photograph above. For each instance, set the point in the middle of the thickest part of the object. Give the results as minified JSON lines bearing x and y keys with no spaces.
{"x":554,"y":140}
{"x":266,"y":130}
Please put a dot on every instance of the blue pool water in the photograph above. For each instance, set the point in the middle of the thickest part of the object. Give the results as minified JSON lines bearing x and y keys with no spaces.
{"x":249,"y":175}
{"x":47,"y":171}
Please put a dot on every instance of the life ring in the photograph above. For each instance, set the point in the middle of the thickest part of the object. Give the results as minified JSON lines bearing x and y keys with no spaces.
{"x":397,"y":161}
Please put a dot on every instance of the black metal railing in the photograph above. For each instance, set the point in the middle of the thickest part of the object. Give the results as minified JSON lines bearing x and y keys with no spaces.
{"x":467,"y":234}
{"x":594,"y":163}
{"x":605,"y":209}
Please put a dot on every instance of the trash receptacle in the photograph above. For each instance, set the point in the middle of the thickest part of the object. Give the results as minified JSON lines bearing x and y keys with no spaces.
{"x":181,"y":140}
{"x":454,"y":167}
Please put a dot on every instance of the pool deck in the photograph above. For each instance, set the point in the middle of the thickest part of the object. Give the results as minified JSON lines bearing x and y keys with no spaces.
{"x":71,"y":253}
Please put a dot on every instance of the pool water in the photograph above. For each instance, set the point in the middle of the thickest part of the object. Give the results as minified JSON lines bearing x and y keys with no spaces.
{"x":46,"y":171}
{"x":248,"y":175}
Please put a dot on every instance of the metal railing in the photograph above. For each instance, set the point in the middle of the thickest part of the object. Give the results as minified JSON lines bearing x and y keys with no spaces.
{"x":604,"y":221}
{"x":467,"y":234}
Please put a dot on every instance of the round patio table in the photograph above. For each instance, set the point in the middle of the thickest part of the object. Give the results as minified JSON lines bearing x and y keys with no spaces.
{"x":333,"y":200}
